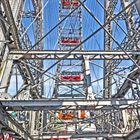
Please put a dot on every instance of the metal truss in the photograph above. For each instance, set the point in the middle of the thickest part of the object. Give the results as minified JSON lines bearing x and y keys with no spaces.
{"x":70,"y":35}
{"x":110,"y":7}
{"x":59,"y":54}
{"x":40,"y":118}
{"x":10,"y":124}
{"x":25,"y":71}
{"x":34,"y":105}
{"x":87,"y":135}
{"x":127,"y":84}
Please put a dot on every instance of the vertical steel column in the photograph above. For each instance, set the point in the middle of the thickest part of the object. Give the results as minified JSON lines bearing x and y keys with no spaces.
{"x":107,"y":85}
{"x":110,"y":6}
{"x":107,"y":46}
{"x":39,"y":63}
{"x":38,"y":35}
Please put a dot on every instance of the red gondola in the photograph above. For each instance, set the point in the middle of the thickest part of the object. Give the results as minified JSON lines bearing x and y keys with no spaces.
{"x":68,"y":41}
{"x":71,"y":78}
{"x":69,"y":3}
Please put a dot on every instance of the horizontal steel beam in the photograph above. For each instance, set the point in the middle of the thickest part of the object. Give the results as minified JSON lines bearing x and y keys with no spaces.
{"x":59,"y":54}
{"x":83,"y":135}
{"x":57,"y":104}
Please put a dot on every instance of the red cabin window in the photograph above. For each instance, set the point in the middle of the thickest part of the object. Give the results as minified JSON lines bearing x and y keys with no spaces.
{"x":65,"y":78}
{"x":75,"y":78}
{"x":69,"y":3}
{"x":71,"y":78}
{"x":70,"y":41}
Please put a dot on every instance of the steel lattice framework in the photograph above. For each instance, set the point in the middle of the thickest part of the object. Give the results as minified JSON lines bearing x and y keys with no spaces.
{"x":73,"y":110}
{"x":71,"y":73}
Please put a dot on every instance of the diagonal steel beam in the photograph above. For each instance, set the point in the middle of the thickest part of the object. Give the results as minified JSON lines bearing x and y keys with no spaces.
{"x":12,"y":124}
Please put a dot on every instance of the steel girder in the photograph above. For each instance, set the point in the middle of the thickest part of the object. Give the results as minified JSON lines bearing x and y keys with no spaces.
{"x":56,"y":104}
{"x":88,"y":135}
{"x":59,"y":54}
{"x":110,"y":7}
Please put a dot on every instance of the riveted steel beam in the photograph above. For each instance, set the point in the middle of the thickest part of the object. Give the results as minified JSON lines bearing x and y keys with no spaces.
{"x":56,"y":104}
{"x":59,"y":54}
